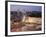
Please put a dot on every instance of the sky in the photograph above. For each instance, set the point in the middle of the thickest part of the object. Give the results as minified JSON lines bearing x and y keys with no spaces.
{"x":25,"y":8}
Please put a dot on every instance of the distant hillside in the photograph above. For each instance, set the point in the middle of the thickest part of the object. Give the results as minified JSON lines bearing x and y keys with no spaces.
{"x":34,"y":14}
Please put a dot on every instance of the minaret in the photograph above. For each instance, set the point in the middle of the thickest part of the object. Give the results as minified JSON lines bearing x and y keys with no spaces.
{"x":24,"y":16}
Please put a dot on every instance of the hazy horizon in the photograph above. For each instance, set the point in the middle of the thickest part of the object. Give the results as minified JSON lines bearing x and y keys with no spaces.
{"x":25,"y":8}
